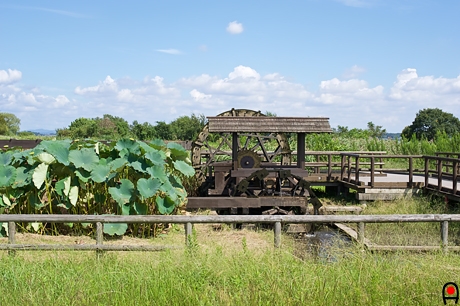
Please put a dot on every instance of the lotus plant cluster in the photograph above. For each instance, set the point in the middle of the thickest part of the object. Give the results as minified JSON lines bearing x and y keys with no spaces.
{"x":89,"y":177}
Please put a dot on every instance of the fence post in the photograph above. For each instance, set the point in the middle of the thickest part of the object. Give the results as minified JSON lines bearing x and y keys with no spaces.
{"x":445,"y":235}
{"x":188,"y":233}
{"x":277,"y":233}
{"x":361,"y":233}
{"x":99,"y":238}
{"x":11,"y":236}
{"x":372,"y":171}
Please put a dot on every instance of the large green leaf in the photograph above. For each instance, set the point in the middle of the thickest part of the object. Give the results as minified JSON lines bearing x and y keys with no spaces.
{"x":100,"y":173}
{"x":59,"y":149}
{"x":5,"y":158}
{"x":128,"y":144}
{"x":148,"y":187}
{"x":165,"y":205}
{"x":184,"y":168}
{"x":39,"y":175}
{"x":85,"y":158}
{"x":157,"y":172}
{"x":115,"y":228}
{"x":83,"y":175}
{"x":23,"y":177}
{"x":140,"y":208}
{"x":7,"y":175}
{"x":123,"y":192}
{"x":46,"y":158}
{"x":158,"y":144}
{"x":118,"y":163}
{"x":73,"y":195}
{"x":62,"y":187}
{"x":177,"y":151}
{"x":155,"y":157}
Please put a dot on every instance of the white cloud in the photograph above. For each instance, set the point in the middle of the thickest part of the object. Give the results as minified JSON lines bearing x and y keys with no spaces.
{"x":235,"y":27}
{"x":199,"y":96}
{"x":10,"y":76}
{"x":347,"y":102}
{"x":169,"y":51}
{"x":353,"y":72}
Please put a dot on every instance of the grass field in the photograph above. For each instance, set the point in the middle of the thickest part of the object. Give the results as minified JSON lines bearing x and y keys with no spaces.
{"x":231,"y":267}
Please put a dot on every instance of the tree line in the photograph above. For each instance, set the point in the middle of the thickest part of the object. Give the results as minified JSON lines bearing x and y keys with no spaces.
{"x":427,"y":124}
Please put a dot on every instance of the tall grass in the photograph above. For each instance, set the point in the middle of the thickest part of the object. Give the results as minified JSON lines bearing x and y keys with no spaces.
{"x":214,"y":277}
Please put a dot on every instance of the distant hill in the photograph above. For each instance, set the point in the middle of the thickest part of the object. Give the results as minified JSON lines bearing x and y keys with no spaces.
{"x":43,"y":132}
{"x":392,"y":135}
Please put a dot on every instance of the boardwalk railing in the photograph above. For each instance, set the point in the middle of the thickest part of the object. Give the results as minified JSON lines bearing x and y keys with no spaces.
{"x":188,"y":221}
{"x":447,"y":172}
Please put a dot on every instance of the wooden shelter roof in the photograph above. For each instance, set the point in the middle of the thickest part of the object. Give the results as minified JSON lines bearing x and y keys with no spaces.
{"x":269,"y":124}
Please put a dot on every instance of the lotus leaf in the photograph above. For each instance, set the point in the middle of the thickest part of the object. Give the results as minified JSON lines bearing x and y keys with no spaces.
{"x":165,"y":205}
{"x":128,"y":144}
{"x":157,"y":172}
{"x":23,"y":177}
{"x":39,"y":175}
{"x":148,"y":187}
{"x":118,"y":163}
{"x":83,"y":175}
{"x":59,"y":149}
{"x":140,"y":208}
{"x":5,"y":200}
{"x":73,"y":195}
{"x":155,"y":157}
{"x":158,"y":144}
{"x":85,"y":158}
{"x":123,"y":192}
{"x":5,"y":158}
{"x":62,"y":187}
{"x":115,"y":228}
{"x":184,"y":168}
{"x":100,"y":173}
{"x":178,"y":152}
{"x":7,"y":175}
{"x":46,"y":158}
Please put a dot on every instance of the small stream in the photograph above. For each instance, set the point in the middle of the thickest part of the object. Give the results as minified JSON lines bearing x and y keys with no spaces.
{"x":325,"y":243}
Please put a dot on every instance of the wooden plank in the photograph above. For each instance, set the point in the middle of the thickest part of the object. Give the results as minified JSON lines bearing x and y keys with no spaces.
{"x":84,"y":247}
{"x":229,"y":202}
{"x":233,"y":218}
{"x":224,"y":124}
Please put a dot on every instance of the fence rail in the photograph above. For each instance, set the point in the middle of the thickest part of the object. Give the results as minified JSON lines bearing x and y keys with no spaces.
{"x":188,"y":221}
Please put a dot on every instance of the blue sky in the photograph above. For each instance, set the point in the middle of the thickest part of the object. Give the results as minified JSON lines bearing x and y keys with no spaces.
{"x":354,"y":61}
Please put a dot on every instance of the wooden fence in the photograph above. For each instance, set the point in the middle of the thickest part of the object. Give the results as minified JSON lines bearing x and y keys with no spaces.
{"x":188,"y":221}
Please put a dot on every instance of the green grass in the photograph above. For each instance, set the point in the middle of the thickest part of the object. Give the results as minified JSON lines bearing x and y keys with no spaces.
{"x":215,"y":277}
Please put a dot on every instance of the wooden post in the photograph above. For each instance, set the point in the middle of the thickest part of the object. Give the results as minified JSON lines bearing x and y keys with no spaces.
{"x":11,"y":236}
{"x":235,"y":150}
{"x":301,"y":150}
{"x":361,"y":233}
{"x":445,"y":235}
{"x":455,"y":176}
{"x":411,"y":171}
{"x":357,"y":170}
{"x":372,"y":171}
{"x":99,"y":238}
{"x":440,"y":175}
{"x":188,"y":233}
{"x":329,"y":167}
{"x":277,"y":233}
{"x":427,"y":173}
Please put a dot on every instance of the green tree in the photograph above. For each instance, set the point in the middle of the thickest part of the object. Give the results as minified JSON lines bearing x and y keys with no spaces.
{"x":375,"y":130}
{"x":430,"y":121}
{"x":9,"y":124}
{"x":163,"y":131}
{"x":144,"y":131}
{"x":187,"y":128}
